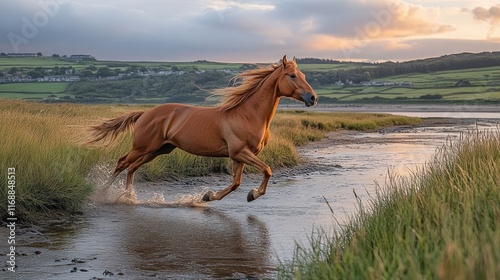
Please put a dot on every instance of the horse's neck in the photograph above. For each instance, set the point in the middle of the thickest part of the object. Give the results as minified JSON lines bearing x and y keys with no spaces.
{"x":262,"y":105}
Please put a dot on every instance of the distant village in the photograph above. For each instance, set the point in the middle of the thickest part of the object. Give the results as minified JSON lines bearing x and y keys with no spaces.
{"x":11,"y":77}
{"x":74,"y":57}
{"x":69,"y":74}
{"x":374,"y":84}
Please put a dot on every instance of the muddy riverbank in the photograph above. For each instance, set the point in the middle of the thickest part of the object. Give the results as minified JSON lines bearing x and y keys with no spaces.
{"x":171,"y":234}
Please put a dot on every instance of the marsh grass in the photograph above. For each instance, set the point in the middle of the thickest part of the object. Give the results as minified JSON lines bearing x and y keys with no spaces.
{"x":442,"y":222}
{"x":44,"y":143}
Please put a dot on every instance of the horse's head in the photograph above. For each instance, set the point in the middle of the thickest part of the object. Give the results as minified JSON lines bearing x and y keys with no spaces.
{"x":292,"y":83}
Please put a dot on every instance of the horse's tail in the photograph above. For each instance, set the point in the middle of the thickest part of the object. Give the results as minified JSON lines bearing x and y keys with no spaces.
{"x":110,"y":129}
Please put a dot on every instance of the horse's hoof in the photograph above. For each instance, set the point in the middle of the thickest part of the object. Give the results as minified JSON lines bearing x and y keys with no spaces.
{"x":128,"y":198}
{"x":250,"y":196}
{"x":206,"y":197}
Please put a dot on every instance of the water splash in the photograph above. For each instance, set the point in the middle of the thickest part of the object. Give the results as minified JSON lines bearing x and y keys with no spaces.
{"x":184,"y":200}
{"x":115,"y":193}
{"x":192,"y":200}
{"x":106,"y":193}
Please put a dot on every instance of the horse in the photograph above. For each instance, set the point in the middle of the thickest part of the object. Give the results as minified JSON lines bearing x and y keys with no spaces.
{"x":238,"y":127}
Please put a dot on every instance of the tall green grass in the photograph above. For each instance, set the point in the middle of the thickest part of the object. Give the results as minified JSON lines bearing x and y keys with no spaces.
{"x":49,"y":169}
{"x":43,"y":143}
{"x":443,"y":222}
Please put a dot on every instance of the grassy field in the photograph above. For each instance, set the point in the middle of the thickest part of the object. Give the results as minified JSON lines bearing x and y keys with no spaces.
{"x":46,"y":62}
{"x":328,"y":67}
{"x":32,"y":62}
{"x":476,"y":76}
{"x":482,"y":87}
{"x":43,"y":143}
{"x":37,"y":91}
{"x":441,"y":223}
{"x":353,"y":94}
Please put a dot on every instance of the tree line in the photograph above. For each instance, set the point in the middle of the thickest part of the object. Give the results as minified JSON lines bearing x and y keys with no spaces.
{"x":369,"y":71}
{"x":190,"y":87}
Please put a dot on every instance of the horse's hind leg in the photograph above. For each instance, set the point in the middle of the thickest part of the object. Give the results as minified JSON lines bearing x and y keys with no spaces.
{"x":125,"y":161}
{"x":121,"y":165}
{"x":129,"y":194}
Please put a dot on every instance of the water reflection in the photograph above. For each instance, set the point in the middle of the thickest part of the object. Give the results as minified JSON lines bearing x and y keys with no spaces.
{"x":52,"y":235}
{"x":207,"y":242}
{"x":140,"y":242}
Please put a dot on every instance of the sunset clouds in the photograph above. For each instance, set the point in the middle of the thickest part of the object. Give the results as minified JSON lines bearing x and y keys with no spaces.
{"x":249,"y":31}
{"x":383,"y":22}
{"x":490,"y":15}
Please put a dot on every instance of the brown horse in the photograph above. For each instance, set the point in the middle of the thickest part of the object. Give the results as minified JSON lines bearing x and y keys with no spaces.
{"x":238,"y":128}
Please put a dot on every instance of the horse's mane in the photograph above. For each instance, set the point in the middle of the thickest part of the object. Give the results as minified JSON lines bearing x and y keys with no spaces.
{"x":244,"y":86}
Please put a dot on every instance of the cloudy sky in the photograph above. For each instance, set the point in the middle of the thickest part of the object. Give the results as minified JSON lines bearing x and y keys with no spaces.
{"x":250,"y":31}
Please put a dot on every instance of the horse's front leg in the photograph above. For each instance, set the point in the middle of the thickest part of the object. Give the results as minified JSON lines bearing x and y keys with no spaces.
{"x":248,"y":157}
{"x":255,"y":193}
{"x":237,"y":172}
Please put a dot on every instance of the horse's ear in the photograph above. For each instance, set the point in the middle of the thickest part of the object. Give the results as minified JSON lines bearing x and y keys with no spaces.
{"x":294,"y":59}
{"x":284,"y":61}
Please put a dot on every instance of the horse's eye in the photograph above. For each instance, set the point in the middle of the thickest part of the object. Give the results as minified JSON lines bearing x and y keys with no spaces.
{"x":292,"y":75}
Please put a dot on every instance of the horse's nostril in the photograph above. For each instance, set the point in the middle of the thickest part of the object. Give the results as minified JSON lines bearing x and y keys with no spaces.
{"x":309,"y":99}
